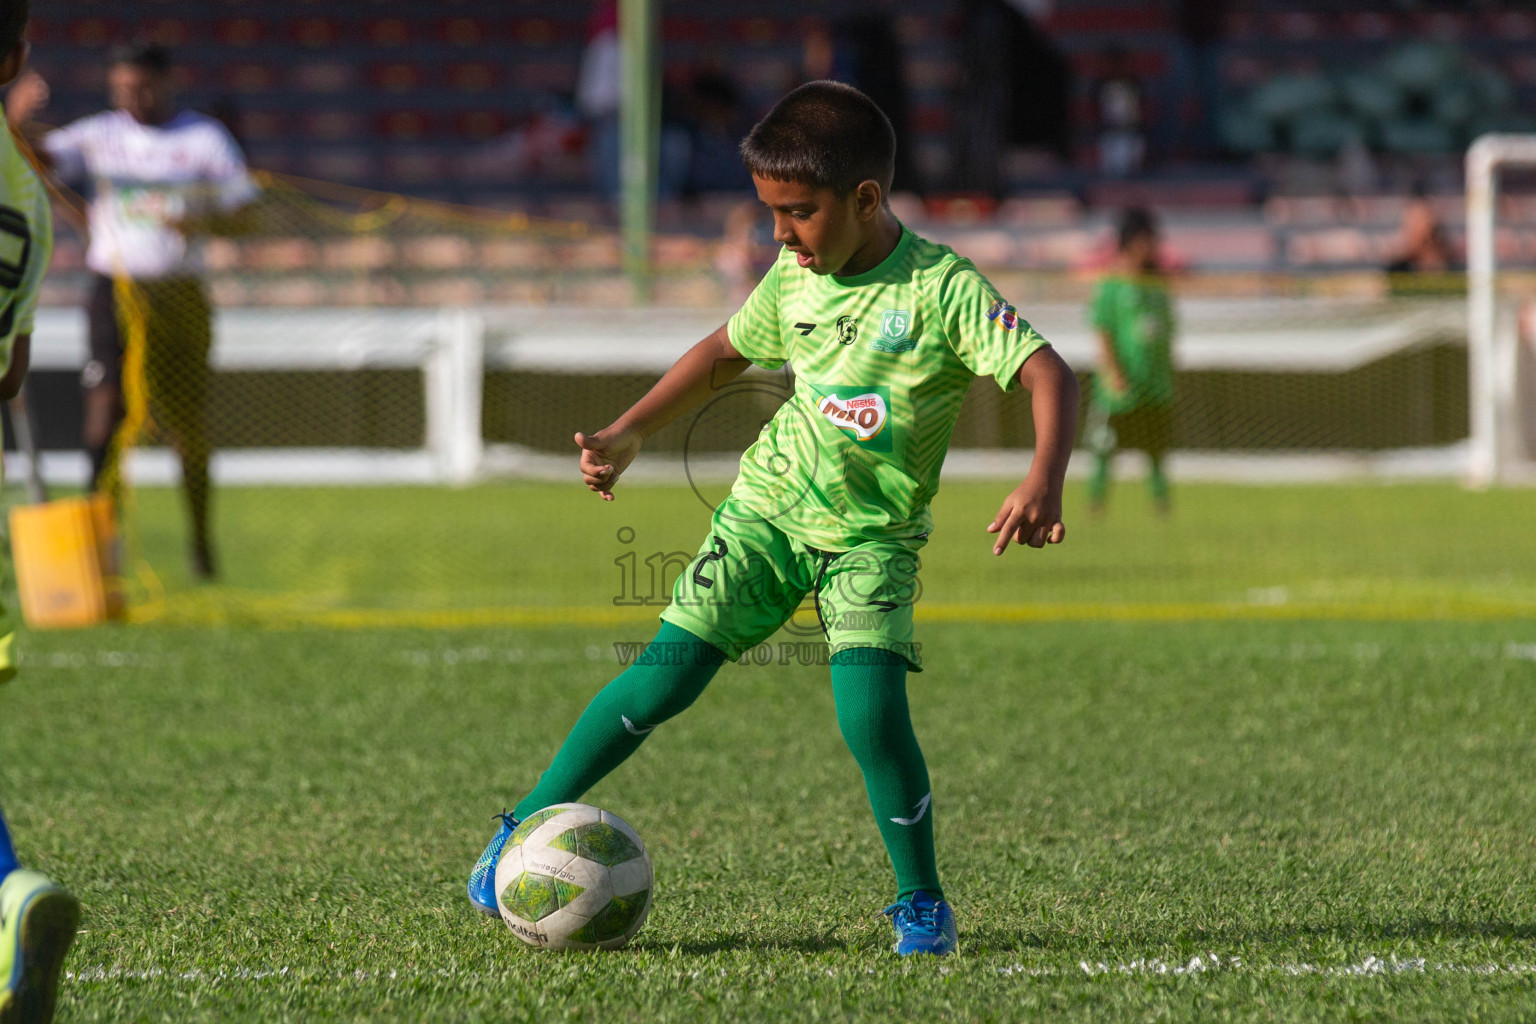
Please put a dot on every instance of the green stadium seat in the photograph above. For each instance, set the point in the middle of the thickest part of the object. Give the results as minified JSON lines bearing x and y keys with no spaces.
{"x":1417,"y":135}
{"x":1420,"y":67}
{"x":1243,"y":132}
{"x":1370,"y":96}
{"x":1324,"y":133}
{"x":1290,"y":95}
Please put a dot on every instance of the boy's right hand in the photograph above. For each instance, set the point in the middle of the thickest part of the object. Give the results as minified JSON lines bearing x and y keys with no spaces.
{"x":605,"y":455}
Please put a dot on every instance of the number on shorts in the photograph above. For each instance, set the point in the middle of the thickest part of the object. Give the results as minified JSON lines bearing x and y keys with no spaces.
{"x":713,"y":556}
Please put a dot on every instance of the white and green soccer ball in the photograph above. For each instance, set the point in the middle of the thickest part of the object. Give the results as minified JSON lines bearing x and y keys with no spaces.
{"x":574,"y":877}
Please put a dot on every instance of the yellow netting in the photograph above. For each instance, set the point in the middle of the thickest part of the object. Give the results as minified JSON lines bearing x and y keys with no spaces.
{"x":327,"y":302}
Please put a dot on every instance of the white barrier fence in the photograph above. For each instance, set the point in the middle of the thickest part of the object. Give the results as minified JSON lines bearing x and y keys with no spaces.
{"x":453,"y":349}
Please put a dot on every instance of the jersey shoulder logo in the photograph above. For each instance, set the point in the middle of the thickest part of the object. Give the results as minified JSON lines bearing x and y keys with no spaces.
{"x":1004,"y":314}
{"x":895,"y":332}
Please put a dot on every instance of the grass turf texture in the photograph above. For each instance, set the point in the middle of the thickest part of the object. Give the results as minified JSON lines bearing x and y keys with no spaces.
{"x":280,"y":822}
{"x":276,"y":824}
{"x":1409,"y":550}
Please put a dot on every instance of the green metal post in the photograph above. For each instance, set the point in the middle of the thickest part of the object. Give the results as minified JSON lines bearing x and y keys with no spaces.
{"x":639,"y":134}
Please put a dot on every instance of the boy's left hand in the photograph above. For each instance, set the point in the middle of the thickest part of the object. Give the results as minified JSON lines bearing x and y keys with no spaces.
{"x":1030,"y":515}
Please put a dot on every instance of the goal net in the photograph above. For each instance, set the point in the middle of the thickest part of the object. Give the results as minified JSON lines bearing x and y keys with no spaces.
{"x":384,"y":372}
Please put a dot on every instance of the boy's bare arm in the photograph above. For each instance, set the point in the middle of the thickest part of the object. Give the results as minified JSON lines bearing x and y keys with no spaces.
{"x":1032,"y":513}
{"x":703,"y":369}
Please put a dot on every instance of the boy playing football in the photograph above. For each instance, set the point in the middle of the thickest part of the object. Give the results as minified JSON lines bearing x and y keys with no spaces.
{"x":1132,"y":398}
{"x":885,"y":331}
{"x":37,"y":918}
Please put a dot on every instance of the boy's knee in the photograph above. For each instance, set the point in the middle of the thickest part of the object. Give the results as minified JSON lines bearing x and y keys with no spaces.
{"x":667,"y":680}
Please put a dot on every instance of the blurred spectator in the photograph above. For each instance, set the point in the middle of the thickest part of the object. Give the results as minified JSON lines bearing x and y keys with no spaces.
{"x":1015,"y":90}
{"x":598,"y":85}
{"x":1120,"y":104}
{"x":1201,"y":26}
{"x":538,"y":147}
{"x":165,"y":177}
{"x":715,"y":124}
{"x":864,"y":52}
{"x":1425,"y":249}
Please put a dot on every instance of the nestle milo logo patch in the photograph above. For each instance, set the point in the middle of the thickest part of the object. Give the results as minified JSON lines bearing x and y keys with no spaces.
{"x":862,"y":412}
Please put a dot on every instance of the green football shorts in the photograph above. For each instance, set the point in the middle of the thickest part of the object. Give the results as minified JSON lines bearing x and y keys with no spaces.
{"x":750,"y":578}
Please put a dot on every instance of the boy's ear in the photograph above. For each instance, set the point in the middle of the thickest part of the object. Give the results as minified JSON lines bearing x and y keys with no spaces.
{"x":867,"y":198}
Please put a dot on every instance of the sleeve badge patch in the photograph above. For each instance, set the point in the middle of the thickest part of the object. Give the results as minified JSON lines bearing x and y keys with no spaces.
{"x":1006,"y":316}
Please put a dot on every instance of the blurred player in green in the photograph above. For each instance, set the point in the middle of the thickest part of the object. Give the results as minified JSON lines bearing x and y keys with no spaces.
{"x":1131,"y":405}
{"x":885,"y":331}
{"x":37,"y":918}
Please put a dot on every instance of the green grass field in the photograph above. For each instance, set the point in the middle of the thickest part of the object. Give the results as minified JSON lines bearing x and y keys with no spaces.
{"x":1287,"y":782}
{"x":1416,"y":550}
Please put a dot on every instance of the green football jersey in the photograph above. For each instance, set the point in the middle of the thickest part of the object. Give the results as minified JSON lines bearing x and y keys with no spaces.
{"x":1138,"y":317}
{"x":26,"y":242}
{"x":882,"y":361}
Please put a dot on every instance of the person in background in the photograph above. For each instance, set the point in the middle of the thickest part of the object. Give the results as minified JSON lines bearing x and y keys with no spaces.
{"x":163,"y":178}
{"x":1425,"y":249}
{"x":1201,"y":24}
{"x":599,"y":91}
{"x":599,"y":85}
{"x":1131,"y":404}
{"x":863,"y":51}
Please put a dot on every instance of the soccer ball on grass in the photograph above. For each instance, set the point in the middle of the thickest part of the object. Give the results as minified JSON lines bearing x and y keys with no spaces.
{"x":574,"y":877}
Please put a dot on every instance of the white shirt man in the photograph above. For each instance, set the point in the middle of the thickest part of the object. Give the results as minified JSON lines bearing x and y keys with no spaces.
{"x":150,"y":180}
{"x":162,"y":178}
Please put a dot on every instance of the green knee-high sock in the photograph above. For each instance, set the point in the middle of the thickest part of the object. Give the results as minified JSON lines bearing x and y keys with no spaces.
{"x":1098,"y":481}
{"x":663,"y":681}
{"x":870,"y":686}
{"x":1157,"y":480}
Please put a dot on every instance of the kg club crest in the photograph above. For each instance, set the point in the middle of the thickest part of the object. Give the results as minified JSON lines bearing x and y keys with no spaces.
{"x":895,"y":332}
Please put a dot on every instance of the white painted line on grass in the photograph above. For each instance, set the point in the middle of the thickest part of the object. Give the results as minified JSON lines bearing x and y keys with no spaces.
{"x":1205,"y":964}
{"x":1211,"y":963}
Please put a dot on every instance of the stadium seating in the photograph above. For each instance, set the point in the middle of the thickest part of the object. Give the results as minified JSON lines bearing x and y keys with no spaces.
{"x":471,"y":102}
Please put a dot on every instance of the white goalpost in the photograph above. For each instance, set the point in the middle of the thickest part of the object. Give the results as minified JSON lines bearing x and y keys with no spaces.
{"x":1501,"y":381}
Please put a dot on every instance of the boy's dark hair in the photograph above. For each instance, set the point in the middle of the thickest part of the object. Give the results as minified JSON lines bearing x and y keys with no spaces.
{"x":14,"y":15}
{"x":144,"y":54}
{"x":825,"y":135}
{"x":1136,"y":222}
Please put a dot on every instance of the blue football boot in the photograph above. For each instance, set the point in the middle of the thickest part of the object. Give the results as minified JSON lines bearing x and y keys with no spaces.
{"x":923,"y":925}
{"x":482,"y":880}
